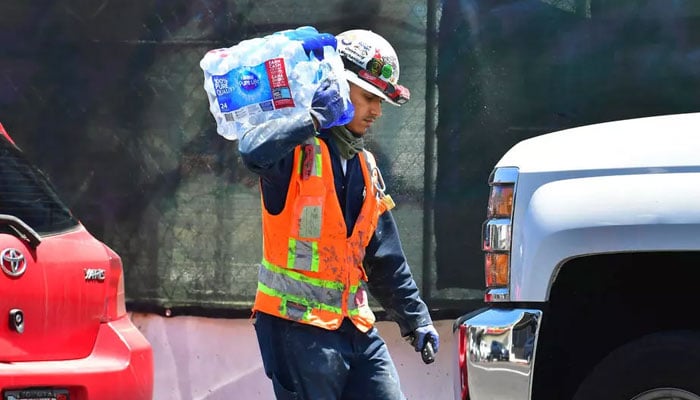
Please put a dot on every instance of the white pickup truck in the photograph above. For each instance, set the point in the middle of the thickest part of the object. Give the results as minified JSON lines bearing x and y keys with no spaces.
{"x":592,"y":263}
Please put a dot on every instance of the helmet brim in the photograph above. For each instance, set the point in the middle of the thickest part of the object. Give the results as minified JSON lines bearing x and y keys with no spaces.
{"x":352,"y":77}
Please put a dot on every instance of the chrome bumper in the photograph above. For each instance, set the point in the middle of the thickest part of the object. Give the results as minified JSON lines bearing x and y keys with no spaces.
{"x":499,"y":348}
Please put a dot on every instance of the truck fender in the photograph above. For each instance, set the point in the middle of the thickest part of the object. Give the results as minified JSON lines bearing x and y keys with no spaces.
{"x":651,"y":210}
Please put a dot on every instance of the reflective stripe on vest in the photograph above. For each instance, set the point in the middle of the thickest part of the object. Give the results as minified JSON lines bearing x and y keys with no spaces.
{"x":293,"y":286}
{"x":302,"y":255}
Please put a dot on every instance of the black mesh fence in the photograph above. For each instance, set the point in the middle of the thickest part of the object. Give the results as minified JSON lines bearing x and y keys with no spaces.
{"x":107,"y":98}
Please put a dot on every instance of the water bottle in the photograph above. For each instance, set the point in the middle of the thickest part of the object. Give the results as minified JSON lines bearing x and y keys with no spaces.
{"x":271,"y":77}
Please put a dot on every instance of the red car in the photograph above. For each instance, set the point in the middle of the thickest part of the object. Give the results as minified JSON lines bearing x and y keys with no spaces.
{"x":64,"y":330}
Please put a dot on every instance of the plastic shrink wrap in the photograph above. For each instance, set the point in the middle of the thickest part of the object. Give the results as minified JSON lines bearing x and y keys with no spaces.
{"x":270,"y":77}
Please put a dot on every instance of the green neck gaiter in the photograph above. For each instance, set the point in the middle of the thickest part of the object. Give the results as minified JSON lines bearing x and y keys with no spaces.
{"x":348,"y":144}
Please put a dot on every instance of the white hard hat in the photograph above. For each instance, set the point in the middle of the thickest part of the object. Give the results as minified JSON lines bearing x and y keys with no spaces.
{"x":371,"y":63}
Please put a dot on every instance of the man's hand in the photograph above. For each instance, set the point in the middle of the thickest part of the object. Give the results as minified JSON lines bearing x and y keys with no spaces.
{"x":327,"y":105}
{"x":421,"y":337}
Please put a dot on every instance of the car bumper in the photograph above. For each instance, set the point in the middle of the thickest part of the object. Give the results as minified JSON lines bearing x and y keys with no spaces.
{"x":119,"y":367}
{"x":506,"y":375}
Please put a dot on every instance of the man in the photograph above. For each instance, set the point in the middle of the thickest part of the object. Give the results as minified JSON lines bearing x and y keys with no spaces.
{"x":328,"y":233}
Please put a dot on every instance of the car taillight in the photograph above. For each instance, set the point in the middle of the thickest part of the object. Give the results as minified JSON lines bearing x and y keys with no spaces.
{"x":463,"y":355}
{"x":115,"y":299}
{"x":497,"y":232}
{"x":500,"y":201}
{"x":497,"y":269}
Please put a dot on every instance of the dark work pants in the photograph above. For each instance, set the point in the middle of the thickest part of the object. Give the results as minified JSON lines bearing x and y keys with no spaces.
{"x":310,"y":363}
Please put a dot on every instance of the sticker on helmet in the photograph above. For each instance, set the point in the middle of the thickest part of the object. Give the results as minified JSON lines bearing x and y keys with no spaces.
{"x":375,"y":66}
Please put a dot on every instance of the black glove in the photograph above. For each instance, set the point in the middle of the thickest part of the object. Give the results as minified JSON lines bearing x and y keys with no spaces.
{"x":327,"y":105}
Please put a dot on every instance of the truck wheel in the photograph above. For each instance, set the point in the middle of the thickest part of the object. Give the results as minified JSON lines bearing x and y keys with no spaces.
{"x":661,"y":366}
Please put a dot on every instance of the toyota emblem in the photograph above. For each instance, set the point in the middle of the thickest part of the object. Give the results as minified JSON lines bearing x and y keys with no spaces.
{"x":13,"y":262}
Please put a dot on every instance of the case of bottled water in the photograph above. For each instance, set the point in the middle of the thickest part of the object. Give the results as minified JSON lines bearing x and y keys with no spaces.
{"x":270,"y":77}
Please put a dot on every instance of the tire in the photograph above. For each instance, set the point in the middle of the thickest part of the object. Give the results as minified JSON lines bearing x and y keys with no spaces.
{"x":655,"y":367}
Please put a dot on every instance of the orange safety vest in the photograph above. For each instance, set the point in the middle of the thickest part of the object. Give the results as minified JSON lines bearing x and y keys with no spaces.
{"x":311,"y":272}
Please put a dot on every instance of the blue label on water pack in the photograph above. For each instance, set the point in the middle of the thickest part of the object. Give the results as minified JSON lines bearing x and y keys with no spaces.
{"x":248,"y":90}
{"x":241,"y":87}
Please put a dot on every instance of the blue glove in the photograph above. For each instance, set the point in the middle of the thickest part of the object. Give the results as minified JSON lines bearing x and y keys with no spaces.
{"x":421,"y":334}
{"x":327,"y":105}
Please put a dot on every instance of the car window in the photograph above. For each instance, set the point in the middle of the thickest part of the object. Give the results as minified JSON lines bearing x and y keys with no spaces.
{"x":27,"y":194}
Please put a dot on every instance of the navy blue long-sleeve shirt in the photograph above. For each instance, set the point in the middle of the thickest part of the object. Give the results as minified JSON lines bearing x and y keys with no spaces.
{"x":267,"y":150}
